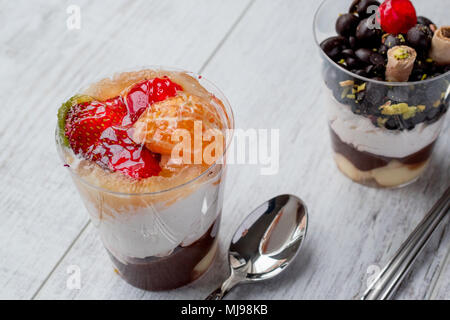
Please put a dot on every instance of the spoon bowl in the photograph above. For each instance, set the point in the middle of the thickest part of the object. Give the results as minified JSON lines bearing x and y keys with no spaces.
{"x":266,"y":242}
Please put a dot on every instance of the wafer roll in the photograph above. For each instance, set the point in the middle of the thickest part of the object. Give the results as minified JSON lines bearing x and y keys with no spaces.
{"x":400,"y":63}
{"x":440,"y":46}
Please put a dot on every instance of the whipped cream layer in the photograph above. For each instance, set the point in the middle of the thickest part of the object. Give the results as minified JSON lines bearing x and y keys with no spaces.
{"x":360,"y":132}
{"x":134,"y":226}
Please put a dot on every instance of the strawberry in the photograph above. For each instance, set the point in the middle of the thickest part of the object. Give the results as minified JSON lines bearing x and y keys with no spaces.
{"x":116,"y":151}
{"x":62,"y":115}
{"x":99,"y":130}
{"x":147,"y":92}
{"x":94,"y":130}
{"x":397,"y":16}
{"x":86,"y":121}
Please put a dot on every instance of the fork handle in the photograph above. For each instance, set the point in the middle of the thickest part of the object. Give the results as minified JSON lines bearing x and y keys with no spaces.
{"x":391,"y":276}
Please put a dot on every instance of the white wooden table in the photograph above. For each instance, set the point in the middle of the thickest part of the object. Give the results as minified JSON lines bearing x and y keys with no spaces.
{"x":262,"y":55}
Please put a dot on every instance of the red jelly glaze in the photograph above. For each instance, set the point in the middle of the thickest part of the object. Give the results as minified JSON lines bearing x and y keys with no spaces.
{"x":116,"y":151}
{"x":397,"y":16}
{"x":100,"y":130}
{"x":147,"y":92}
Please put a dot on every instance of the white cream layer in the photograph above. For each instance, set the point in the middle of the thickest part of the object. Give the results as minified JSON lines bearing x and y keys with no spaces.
{"x":157,"y":229}
{"x":361,"y":133}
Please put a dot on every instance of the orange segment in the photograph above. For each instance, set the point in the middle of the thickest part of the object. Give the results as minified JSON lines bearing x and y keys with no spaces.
{"x":180,"y":124}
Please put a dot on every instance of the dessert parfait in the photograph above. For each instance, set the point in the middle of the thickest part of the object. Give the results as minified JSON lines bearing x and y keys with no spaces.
{"x":387,"y":70}
{"x":146,"y":152}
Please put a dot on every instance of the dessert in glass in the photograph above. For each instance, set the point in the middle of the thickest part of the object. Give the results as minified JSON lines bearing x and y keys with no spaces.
{"x":387,"y":73}
{"x":146,"y":151}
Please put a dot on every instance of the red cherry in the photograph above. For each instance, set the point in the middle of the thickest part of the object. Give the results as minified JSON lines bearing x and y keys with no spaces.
{"x":397,"y":16}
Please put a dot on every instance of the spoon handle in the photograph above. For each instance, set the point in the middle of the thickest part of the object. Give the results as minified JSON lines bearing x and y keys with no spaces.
{"x":223,"y":290}
{"x":391,"y":276}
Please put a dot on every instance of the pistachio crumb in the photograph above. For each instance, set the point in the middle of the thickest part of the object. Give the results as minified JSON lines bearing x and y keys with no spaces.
{"x":381,"y":121}
{"x":401,"y":53}
{"x":345,"y":92}
{"x":346,"y":83}
{"x":399,"y":109}
{"x":361,"y":87}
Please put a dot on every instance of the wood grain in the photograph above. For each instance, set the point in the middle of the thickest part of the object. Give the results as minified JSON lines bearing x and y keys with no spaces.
{"x":264,"y":59}
{"x":44,"y":63}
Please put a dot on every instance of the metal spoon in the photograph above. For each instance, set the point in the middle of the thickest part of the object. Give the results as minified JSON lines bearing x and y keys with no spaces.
{"x":265,"y":243}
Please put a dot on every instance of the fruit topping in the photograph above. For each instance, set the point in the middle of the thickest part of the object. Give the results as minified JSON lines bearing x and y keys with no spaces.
{"x":363,"y":50}
{"x":185,"y":116}
{"x":100,"y":131}
{"x":116,"y":151}
{"x":397,"y":16}
{"x":94,"y":130}
{"x":62,"y":115}
{"x":147,"y":92}
{"x":400,"y":63}
{"x":393,"y":45}
{"x":86,"y":121}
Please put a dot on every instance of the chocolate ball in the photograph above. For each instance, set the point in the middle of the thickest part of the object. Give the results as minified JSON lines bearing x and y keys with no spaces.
{"x":369,"y":69}
{"x":383,"y":49}
{"x":391,"y":40}
{"x":333,"y":46}
{"x":360,"y":72}
{"x":419,"y":37}
{"x":354,"y":63}
{"x":346,"y":24}
{"x":353,"y":42}
{"x":361,"y":7}
{"x":348,"y":53}
{"x":376,"y":58}
{"x":364,"y":54}
{"x":424,"y":21}
{"x":367,"y":34}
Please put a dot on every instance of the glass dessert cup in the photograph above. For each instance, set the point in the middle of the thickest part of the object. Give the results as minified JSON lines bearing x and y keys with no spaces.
{"x":382,"y":133}
{"x":160,"y":232}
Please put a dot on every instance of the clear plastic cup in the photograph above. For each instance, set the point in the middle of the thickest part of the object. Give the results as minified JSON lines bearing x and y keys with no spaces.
{"x":370,"y":146}
{"x":166,"y":239}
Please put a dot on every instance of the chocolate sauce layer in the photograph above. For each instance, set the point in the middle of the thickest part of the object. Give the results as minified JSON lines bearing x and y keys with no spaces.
{"x":366,"y":161}
{"x":173,"y":271}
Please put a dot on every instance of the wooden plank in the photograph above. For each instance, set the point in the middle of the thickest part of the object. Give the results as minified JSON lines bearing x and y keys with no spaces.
{"x":352,"y":227}
{"x":42,"y":64}
{"x":270,"y":70}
